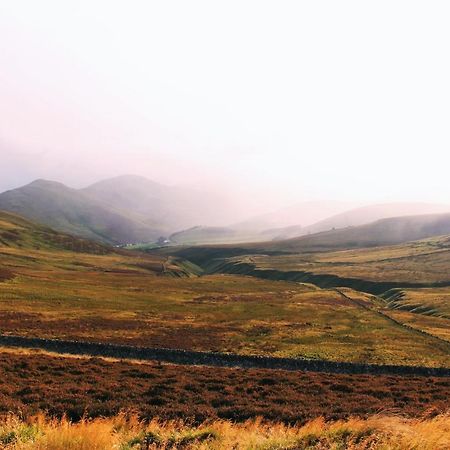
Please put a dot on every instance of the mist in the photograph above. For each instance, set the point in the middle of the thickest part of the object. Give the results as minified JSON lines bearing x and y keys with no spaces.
{"x":267,"y":104}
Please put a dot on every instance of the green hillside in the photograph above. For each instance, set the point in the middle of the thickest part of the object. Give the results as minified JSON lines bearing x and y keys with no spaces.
{"x":211,"y":235}
{"x":72,"y":211}
{"x":122,"y":210}
{"x":19,"y":233}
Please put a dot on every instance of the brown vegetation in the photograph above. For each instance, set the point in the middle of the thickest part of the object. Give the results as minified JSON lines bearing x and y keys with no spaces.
{"x":5,"y":274}
{"x":34,"y":382}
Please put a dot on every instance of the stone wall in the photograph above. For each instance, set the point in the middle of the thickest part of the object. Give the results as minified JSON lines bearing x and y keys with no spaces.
{"x":214,"y":359}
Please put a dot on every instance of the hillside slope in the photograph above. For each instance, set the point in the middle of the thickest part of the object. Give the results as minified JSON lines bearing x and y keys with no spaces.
{"x":390,"y":231}
{"x":299,"y":215}
{"x":372,"y":213}
{"x":17,"y":232}
{"x":72,"y":211}
{"x":384,"y":232}
{"x":122,"y":210}
{"x":174,"y":208}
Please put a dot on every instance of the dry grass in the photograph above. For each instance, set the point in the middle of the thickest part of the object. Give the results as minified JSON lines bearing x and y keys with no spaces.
{"x":426,"y":261}
{"x":120,"y":299}
{"x":134,"y":298}
{"x":128,"y":432}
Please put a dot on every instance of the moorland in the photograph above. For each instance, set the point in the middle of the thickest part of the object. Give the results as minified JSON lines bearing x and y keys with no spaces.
{"x":160,"y":301}
{"x":379,"y":304}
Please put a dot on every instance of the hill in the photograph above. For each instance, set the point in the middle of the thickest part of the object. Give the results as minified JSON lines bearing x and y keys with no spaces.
{"x":18,"y":232}
{"x":268,"y":227}
{"x":121,"y":210}
{"x":348,"y":218}
{"x":174,"y":208}
{"x":202,"y":235}
{"x":372,"y":213}
{"x":133,"y":298}
{"x":216,"y":235}
{"x":394,"y":230}
{"x":73,"y":211}
{"x":300,"y":215}
{"x":383,"y":232}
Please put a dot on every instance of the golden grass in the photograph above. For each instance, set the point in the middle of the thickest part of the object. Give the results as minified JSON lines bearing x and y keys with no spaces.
{"x":131,"y":298}
{"x":426,"y":261}
{"x":128,"y":432}
{"x":120,"y":298}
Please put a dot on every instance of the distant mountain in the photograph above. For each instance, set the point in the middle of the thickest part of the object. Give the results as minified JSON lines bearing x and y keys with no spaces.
{"x":297,"y":216}
{"x":355,"y":217}
{"x":173,"y":208}
{"x":121,"y":210}
{"x":390,"y":231}
{"x":371,"y":213}
{"x":268,"y":227}
{"x":133,"y":209}
{"x":75,"y":212}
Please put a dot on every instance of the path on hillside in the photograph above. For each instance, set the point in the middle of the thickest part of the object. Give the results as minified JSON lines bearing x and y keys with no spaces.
{"x":185,"y":357}
{"x":443,"y":344}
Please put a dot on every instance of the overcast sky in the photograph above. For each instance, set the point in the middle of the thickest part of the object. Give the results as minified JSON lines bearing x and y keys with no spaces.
{"x":289,"y":101}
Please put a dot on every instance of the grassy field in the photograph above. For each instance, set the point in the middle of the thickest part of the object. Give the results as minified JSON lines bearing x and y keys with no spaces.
{"x":53,"y":285}
{"x":119,"y":299}
{"x":426,"y":261}
{"x":134,"y":298}
{"x":128,"y":432}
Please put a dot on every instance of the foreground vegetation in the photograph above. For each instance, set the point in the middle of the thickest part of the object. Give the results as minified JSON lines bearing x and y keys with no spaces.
{"x":33,"y":381}
{"x":128,"y":432}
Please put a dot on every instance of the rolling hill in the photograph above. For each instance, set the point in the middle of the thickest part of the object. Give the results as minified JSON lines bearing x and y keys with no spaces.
{"x":132,"y":298}
{"x":121,"y":210}
{"x":268,"y":227}
{"x":297,"y":216}
{"x":18,"y":232}
{"x":350,"y":218}
{"x":383,"y":232}
{"x":72,"y":211}
{"x":174,"y":208}
{"x":217,"y":235}
{"x":390,"y":231}
{"x":371,"y":213}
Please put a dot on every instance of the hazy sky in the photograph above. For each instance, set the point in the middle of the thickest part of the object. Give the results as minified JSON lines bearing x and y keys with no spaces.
{"x":291,"y":101}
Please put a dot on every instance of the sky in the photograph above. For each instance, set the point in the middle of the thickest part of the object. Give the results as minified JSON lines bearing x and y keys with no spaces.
{"x":275,"y":102}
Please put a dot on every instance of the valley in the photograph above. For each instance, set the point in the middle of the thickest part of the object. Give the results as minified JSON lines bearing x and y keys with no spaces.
{"x":366,"y":329}
{"x":154,"y":300}
{"x":224,"y":225}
